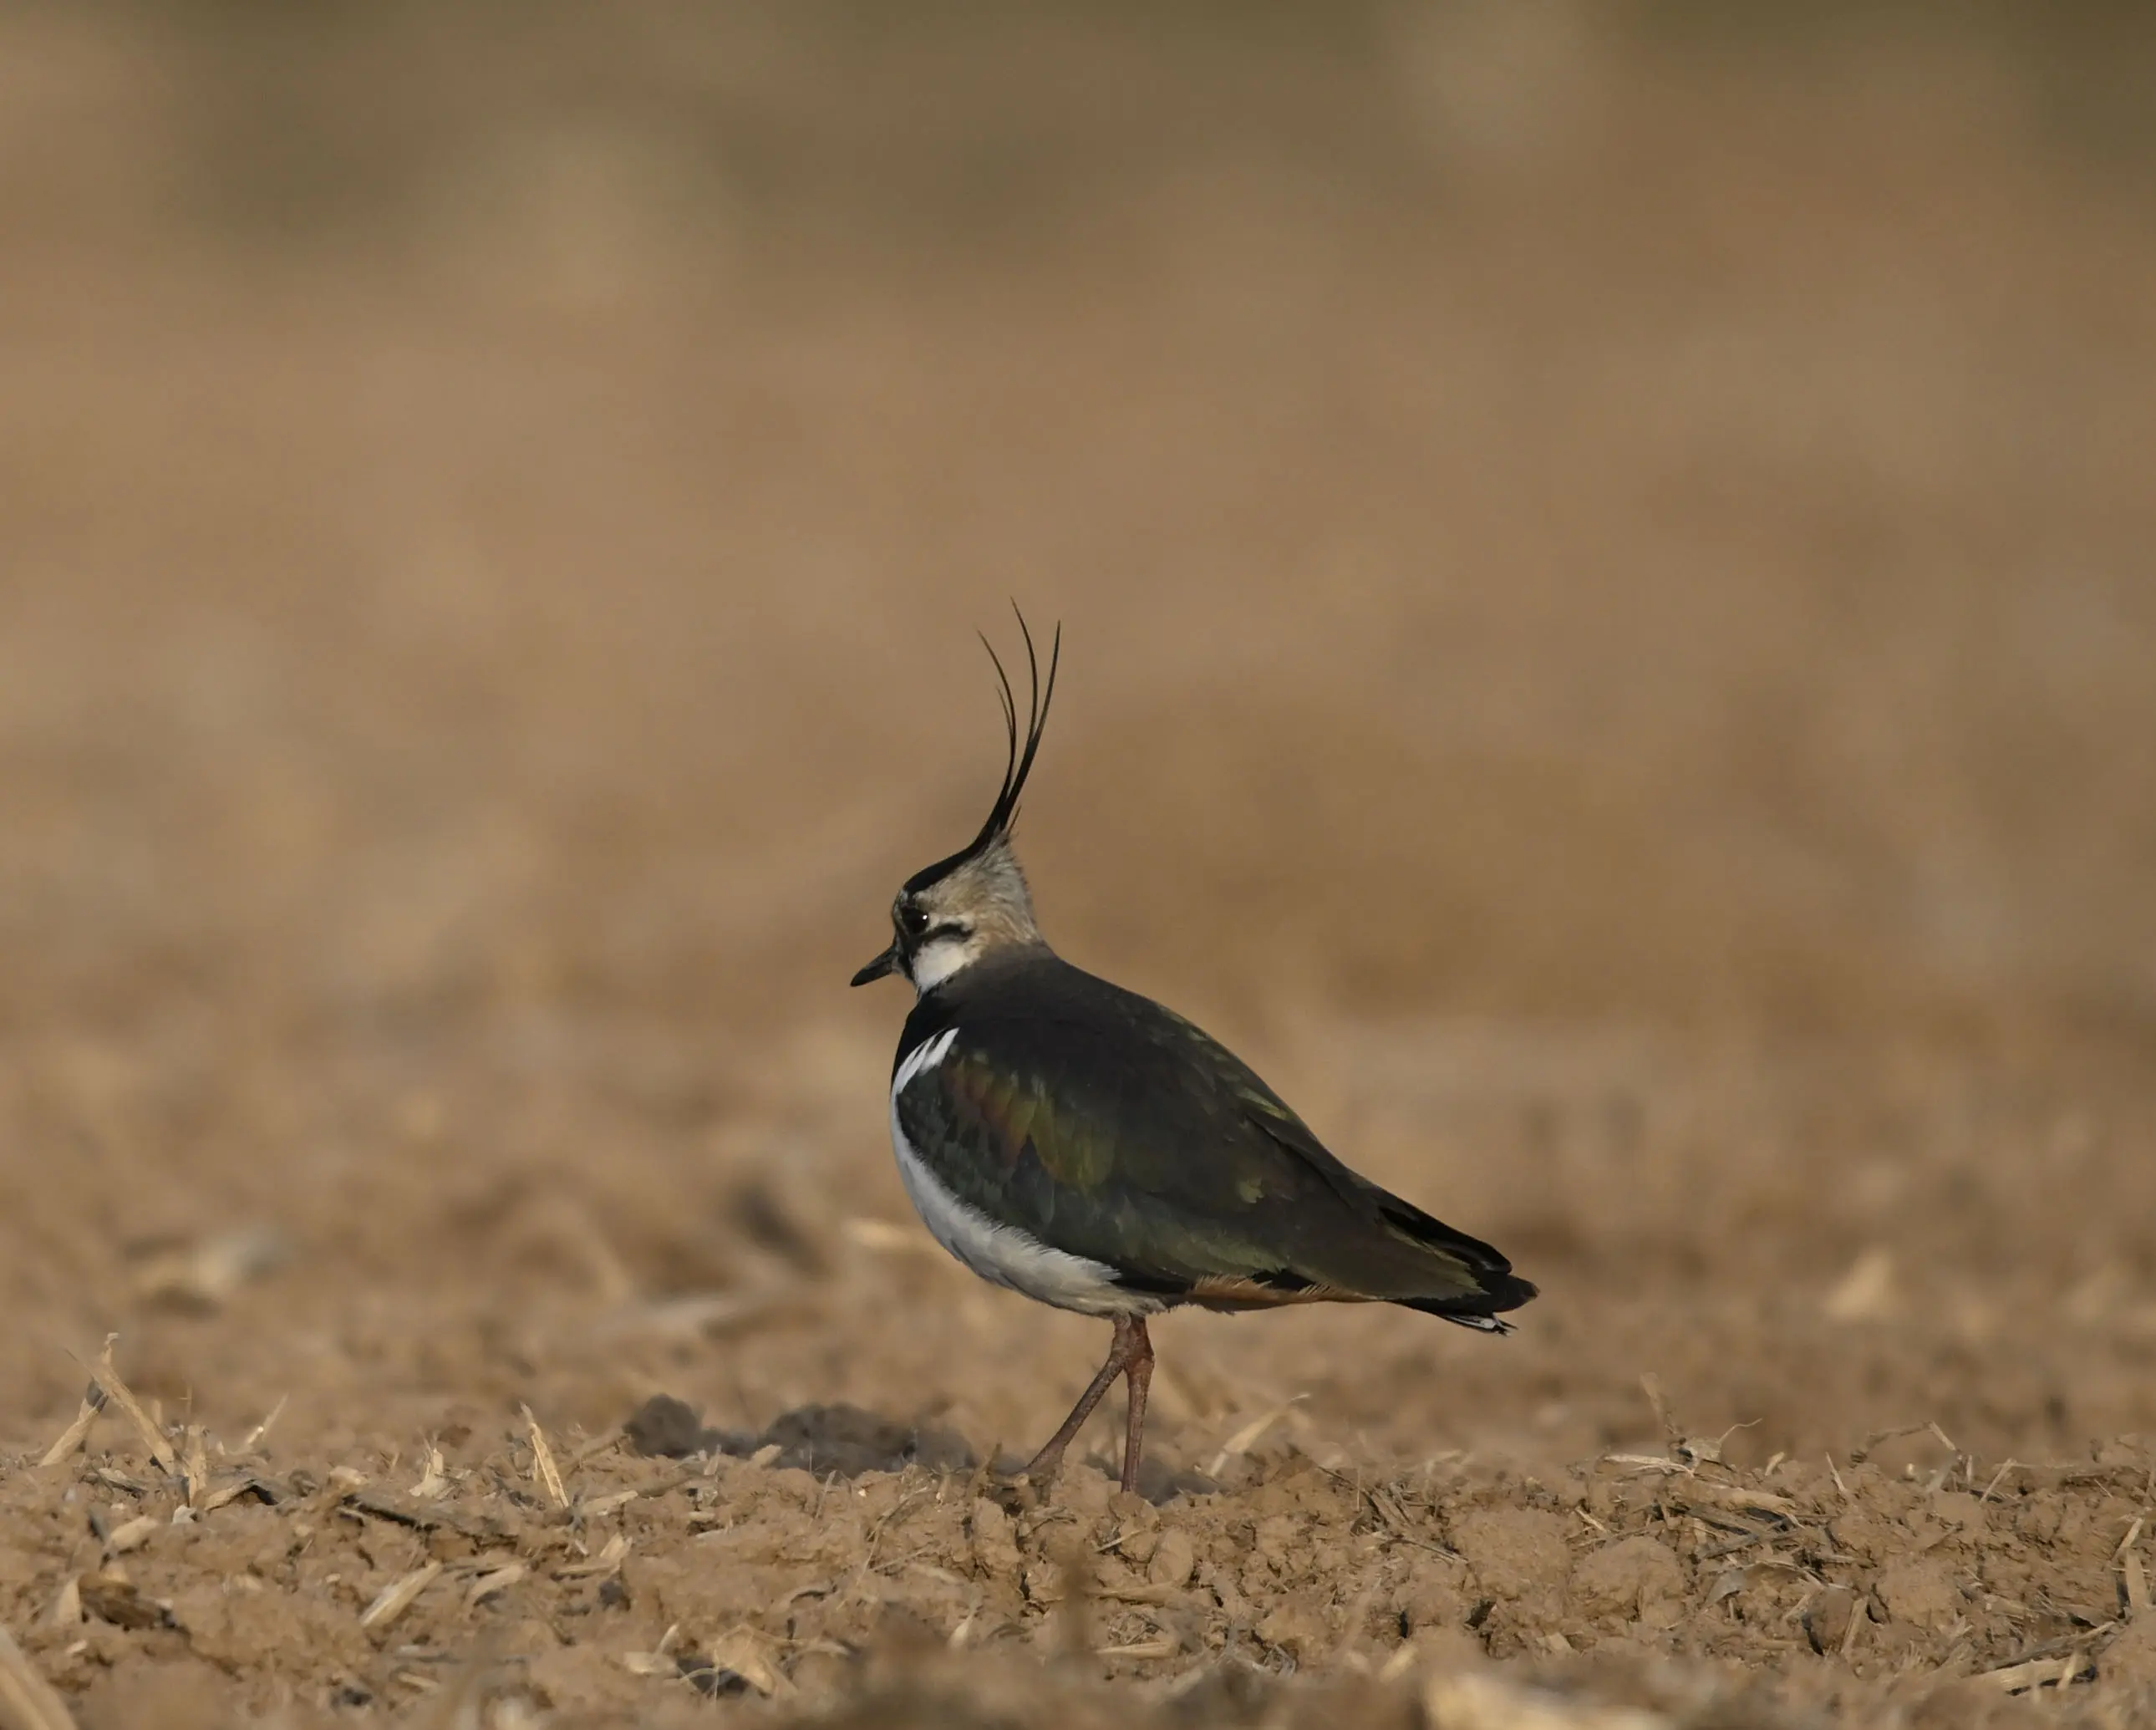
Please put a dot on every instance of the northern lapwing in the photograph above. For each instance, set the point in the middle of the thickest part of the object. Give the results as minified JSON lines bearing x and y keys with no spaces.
{"x":1081,"y":1144}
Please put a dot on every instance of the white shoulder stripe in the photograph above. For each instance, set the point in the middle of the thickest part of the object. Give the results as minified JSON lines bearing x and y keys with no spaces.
{"x":1003,"y":1254}
{"x":923,"y":1058}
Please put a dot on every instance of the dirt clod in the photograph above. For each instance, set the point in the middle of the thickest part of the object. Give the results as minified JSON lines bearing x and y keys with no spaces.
{"x":666,"y":1427}
{"x":114,"y":1600}
{"x":1633,"y":1579}
{"x":1827,"y":1617}
{"x":1922,"y":1592}
{"x":1514,"y":1551}
{"x":1175,"y":1555}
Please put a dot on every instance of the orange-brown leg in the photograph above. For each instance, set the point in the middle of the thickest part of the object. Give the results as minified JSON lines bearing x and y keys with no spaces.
{"x":1138,"y":1368}
{"x":1131,"y":1356}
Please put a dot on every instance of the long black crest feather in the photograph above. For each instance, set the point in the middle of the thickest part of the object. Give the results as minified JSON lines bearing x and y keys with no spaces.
{"x":1018,"y":762}
{"x":1018,"y":765}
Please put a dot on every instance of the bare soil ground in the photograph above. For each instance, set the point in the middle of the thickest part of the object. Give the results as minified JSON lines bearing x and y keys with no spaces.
{"x":1609,"y":632}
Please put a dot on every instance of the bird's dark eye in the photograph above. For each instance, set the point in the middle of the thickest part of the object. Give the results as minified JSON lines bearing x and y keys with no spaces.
{"x":912,"y":921}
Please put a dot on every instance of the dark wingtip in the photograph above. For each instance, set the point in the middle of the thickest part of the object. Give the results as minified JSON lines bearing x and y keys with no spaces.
{"x":1480,"y":1309}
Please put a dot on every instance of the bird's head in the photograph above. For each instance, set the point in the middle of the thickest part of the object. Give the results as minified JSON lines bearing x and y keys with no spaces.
{"x":949,"y":915}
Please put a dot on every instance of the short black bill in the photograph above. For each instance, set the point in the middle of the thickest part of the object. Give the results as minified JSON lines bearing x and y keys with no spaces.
{"x":878,"y":968}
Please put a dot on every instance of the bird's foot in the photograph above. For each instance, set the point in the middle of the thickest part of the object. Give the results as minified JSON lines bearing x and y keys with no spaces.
{"x":1044,"y":1468}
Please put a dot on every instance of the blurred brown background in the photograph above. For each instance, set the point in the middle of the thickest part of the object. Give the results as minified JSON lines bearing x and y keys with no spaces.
{"x":1606,"y":561}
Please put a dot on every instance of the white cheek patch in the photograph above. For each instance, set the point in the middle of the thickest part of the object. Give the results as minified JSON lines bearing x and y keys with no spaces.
{"x":935,"y":962}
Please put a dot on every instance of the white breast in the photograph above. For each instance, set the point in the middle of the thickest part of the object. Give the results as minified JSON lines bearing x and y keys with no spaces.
{"x":1003,"y":1254}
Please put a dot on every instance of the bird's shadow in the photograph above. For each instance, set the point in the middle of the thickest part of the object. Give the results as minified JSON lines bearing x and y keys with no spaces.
{"x":1158,"y":1482}
{"x":847,"y":1440}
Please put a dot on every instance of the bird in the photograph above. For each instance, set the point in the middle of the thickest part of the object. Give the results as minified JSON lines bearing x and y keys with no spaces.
{"x":1085,"y":1147}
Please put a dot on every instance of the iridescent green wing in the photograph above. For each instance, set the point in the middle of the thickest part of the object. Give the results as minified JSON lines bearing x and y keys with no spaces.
{"x":1106,"y":1127}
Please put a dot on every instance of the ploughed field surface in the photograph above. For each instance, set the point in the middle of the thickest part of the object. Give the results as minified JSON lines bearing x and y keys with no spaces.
{"x":1609,"y":621}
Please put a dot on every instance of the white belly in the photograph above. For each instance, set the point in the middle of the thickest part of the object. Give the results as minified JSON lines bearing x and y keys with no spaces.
{"x":1001,"y":1255}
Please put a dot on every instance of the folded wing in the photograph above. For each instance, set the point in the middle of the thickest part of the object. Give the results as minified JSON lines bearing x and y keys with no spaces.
{"x":1108,"y":1127}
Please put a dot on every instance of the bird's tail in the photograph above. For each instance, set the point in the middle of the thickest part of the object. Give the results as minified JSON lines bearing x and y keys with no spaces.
{"x":1493,"y":1286}
{"x":1478,"y":1310}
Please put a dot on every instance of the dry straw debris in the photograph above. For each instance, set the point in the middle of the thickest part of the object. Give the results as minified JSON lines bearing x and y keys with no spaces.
{"x":28,"y":1701}
{"x":1599,"y":1597}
